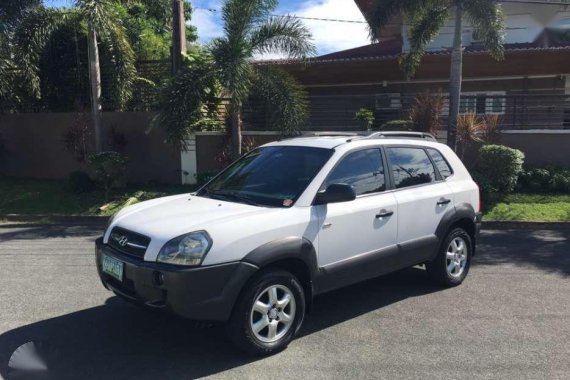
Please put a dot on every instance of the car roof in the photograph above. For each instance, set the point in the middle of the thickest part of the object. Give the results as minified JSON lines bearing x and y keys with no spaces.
{"x":334,"y":140}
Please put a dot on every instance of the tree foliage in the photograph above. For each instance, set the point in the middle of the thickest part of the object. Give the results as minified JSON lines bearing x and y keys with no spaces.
{"x":284,"y":100}
{"x":190,"y":101}
{"x":49,"y":49}
{"x":427,"y":17}
{"x":249,"y":31}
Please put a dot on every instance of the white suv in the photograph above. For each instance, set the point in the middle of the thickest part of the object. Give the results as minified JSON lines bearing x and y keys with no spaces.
{"x":291,"y":220}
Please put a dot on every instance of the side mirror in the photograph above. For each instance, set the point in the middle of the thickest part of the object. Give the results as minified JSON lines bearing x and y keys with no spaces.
{"x":336,"y":193}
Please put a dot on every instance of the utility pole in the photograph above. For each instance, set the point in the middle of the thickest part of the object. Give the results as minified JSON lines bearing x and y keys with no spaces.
{"x":178,"y":34}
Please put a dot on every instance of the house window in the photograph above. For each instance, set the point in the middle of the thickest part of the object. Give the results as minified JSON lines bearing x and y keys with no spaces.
{"x":490,"y":103}
{"x":476,"y":36}
{"x":388,"y":101}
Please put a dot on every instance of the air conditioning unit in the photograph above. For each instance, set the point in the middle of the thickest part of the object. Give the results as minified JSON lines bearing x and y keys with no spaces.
{"x":388,"y":101}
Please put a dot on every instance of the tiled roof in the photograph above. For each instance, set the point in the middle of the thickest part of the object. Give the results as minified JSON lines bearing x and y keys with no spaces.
{"x":392,"y":50}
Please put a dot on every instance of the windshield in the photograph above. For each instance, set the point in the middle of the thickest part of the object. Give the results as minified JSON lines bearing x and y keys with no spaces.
{"x":274,"y":176}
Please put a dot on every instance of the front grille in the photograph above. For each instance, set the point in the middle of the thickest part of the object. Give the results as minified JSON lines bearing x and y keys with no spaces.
{"x":128,"y":242}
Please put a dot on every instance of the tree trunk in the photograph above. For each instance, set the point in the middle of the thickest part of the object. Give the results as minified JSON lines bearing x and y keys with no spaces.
{"x":178,"y":34}
{"x":95,"y":79}
{"x":236,"y":132}
{"x":455,"y":78}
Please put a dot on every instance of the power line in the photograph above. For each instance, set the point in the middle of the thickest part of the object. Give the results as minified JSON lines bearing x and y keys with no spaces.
{"x":213,"y":10}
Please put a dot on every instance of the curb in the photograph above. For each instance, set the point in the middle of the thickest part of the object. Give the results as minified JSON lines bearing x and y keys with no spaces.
{"x":55,"y":219}
{"x":514,"y":225}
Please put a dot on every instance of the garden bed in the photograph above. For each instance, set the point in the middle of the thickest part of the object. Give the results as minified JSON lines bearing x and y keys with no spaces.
{"x":26,"y":196}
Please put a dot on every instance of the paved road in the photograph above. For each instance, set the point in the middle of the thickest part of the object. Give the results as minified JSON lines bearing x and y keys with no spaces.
{"x":509,"y":320}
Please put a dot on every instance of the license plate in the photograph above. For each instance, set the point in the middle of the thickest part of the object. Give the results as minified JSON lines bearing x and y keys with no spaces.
{"x":113,"y":267}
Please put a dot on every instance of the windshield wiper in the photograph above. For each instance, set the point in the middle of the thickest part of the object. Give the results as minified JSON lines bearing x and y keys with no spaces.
{"x":232,"y":196}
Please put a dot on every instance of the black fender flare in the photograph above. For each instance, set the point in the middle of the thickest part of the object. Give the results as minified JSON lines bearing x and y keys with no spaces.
{"x":292,"y":247}
{"x":462,"y":211}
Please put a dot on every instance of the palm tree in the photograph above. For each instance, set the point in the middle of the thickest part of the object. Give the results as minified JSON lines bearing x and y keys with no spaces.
{"x":426,"y":18}
{"x":38,"y":26}
{"x":103,"y":20}
{"x":250,"y":30}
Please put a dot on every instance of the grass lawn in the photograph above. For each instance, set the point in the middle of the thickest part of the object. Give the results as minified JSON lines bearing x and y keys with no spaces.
{"x":50,"y":197}
{"x":531,"y":207}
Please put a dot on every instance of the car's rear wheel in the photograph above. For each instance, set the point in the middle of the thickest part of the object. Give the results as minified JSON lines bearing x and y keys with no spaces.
{"x":453,"y":261}
{"x":268,"y":313}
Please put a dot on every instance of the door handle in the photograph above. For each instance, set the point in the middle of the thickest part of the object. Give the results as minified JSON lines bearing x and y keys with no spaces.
{"x":443,"y":201}
{"x":384,"y":214}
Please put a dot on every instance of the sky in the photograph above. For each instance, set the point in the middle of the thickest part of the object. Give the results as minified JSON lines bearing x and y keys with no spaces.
{"x":327,"y":36}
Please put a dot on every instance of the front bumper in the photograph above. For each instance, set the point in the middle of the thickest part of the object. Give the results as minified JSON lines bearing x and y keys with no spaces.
{"x":201,"y":293}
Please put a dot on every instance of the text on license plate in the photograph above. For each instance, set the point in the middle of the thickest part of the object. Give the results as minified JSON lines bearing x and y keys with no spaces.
{"x":112,"y":267}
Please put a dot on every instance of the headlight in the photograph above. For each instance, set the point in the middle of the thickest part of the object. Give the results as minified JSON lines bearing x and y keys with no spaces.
{"x":188,"y":250}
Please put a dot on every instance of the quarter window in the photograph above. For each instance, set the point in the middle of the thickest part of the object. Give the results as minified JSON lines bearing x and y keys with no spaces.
{"x":440,"y":163}
{"x":363,"y":170}
{"x":410,"y":167}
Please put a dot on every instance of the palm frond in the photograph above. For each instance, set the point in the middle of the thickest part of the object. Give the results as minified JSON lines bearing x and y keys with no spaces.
{"x":189,"y":100}
{"x":6,"y":81}
{"x":101,"y":12}
{"x":283,"y":35}
{"x":119,"y":53}
{"x":383,"y":11}
{"x":232,"y":58}
{"x":241,"y":16}
{"x":30,"y":39}
{"x":488,"y":18}
{"x":426,"y":24}
{"x":11,"y":12}
{"x":122,"y":59}
{"x":285,"y":100}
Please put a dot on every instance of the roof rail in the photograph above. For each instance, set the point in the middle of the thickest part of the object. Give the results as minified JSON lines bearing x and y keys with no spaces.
{"x":331,"y":134}
{"x":396,"y":135}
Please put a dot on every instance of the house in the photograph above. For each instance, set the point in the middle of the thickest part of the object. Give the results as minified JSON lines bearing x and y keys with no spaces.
{"x":529,"y":89}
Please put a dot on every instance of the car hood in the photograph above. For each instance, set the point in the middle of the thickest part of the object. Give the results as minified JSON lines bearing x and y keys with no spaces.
{"x":163,"y":219}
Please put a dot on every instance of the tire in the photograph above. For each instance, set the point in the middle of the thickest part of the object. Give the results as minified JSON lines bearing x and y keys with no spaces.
{"x":272,"y":308}
{"x":451,"y":265}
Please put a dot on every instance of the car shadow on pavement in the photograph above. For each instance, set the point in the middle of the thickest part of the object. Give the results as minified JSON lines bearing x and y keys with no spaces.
{"x":121,"y":341}
{"x":547,"y":250}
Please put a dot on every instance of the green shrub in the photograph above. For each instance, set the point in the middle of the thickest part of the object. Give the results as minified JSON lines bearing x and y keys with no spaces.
{"x":365,"y":118}
{"x":203,"y":178}
{"x":498,"y":169}
{"x":550,"y":179}
{"x":535,"y":180}
{"x":79,"y":182}
{"x":561,"y":182}
{"x":109,"y":169}
{"x":397,"y":125}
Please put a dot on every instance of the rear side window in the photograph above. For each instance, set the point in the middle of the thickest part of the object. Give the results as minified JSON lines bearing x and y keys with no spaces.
{"x":410,"y":167}
{"x":440,"y":163}
{"x":363,"y":170}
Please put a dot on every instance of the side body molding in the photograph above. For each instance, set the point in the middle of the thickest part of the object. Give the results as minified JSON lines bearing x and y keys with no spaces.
{"x":292,"y":247}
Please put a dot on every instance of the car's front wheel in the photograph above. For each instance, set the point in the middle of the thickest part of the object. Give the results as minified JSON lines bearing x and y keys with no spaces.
{"x":268,"y":313}
{"x":453,"y":261}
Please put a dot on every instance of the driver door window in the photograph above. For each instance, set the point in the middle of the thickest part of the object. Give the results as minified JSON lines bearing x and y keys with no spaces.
{"x":363,"y":170}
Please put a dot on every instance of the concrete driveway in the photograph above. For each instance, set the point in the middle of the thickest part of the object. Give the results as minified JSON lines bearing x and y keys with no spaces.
{"x":509,"y":320}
